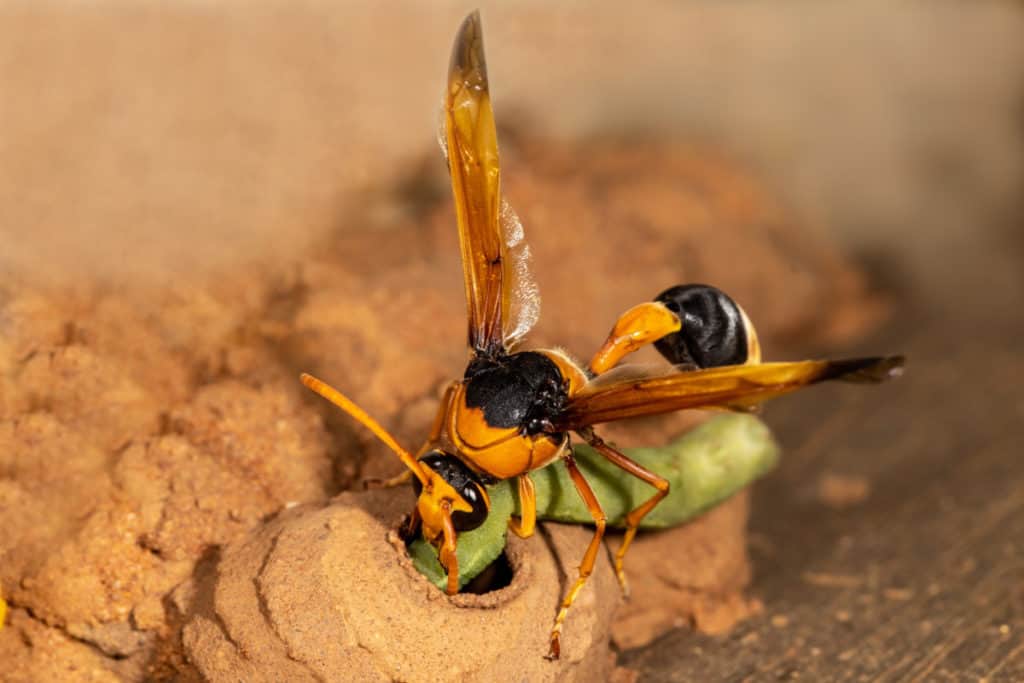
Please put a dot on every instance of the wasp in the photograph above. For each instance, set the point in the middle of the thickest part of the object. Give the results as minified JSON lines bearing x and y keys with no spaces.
{"x":512,"y":412}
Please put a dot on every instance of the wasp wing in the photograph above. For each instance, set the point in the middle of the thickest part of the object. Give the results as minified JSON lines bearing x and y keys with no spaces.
{"x":734,"y":387}
{"x":521,"y":308}
{"x":471,"y":145}
{"x":522,"y":297}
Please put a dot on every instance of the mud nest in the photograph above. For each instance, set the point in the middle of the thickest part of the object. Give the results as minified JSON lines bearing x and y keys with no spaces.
{"x":170,"y":496}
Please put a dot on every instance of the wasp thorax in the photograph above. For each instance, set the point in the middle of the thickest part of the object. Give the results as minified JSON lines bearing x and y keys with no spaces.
{"x":714,"y":329}
{"x":453,"y":481}
{"x":522,"y":390}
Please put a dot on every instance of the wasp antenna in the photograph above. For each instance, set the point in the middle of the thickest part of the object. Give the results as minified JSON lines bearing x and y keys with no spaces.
{"x":360,"y":415}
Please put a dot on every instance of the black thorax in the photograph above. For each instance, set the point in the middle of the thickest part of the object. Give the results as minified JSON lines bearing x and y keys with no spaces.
{"x":524,"y":390}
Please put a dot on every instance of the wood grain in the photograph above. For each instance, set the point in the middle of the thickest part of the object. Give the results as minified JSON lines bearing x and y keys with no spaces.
{"x":922,"y":579}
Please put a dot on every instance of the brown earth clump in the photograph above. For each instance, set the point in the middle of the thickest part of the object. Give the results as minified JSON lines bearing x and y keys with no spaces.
{"x":150,"y":436}
{"x":321,"y":594}
{"x":691,"y":575}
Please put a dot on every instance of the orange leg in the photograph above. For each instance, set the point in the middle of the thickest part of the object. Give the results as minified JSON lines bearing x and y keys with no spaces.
{"x":447,"y":555}
{"x":523,"y":525}
{"x":438,"y":426}
{"x":389,"y":483}
{"x":589,"y":558}
{"x":636,"y":515}
{"x":643,"y":324}
{"x":411,"y":527}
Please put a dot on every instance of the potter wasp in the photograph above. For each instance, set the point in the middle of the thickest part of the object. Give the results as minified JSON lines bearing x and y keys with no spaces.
{"x":513,"y":411}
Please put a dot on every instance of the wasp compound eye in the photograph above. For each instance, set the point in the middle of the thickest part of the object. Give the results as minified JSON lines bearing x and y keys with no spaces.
{"x":465,"y":484}
{"x":714,"y":330}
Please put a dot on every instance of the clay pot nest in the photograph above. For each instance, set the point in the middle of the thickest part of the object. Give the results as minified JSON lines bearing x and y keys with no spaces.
{"x":328,"y":593}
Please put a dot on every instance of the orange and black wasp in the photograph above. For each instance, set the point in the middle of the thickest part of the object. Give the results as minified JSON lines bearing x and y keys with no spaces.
{"x":513,"y":411}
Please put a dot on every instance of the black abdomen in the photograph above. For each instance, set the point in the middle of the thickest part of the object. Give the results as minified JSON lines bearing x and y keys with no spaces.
{"x":714,"y":332}
{"x":522,"y":390}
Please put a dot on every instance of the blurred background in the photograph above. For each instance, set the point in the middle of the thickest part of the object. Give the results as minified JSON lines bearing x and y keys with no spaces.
{"x":142,"y":137}
{"x":199,"y":193}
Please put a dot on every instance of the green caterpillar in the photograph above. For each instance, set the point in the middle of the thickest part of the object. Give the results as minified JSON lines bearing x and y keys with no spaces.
{"x":704,"y":467}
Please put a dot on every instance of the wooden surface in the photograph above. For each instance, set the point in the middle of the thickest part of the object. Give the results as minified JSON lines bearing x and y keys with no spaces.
{"x":923,"y":579}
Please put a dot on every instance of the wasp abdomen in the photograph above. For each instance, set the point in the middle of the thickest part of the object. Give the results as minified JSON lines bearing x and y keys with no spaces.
{"x":714,"y":329}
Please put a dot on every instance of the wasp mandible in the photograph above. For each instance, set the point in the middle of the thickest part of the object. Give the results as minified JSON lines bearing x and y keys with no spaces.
{"x":512,"y":411}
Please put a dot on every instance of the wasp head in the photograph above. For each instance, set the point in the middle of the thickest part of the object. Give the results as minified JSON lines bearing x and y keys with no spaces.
{"x":451,"y":486}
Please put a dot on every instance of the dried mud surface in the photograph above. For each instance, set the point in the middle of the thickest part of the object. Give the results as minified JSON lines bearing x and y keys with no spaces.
{"x":169,"y":493}
{"x":321,"y":594}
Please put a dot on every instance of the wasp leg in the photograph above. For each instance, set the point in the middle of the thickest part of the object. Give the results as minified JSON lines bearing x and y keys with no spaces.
{"x":589,"y":558}
{"x":523,"y":525}
{"x":389,"y":483}
{"x":447,"y":555}
{"x":442,"y":412}
{"x":636,"y":515}
{"x":643,"y":324}
{"x":410,"y":526}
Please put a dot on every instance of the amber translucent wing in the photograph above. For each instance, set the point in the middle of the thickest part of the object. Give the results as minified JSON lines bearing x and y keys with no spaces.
{"x":472,"y":147}
{"x":735,"y":387}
